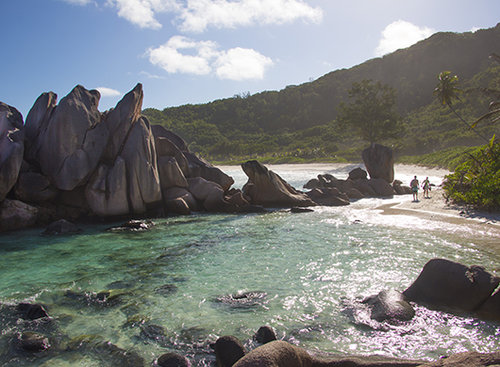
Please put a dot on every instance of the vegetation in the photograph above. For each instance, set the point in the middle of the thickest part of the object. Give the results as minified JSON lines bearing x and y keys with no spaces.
{"x":476,"y":182}
{"x":371,"y":112}
{"x":300,"y":123}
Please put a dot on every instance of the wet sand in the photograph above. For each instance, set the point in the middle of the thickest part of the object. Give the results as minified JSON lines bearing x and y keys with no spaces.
{"x":436,"y":208}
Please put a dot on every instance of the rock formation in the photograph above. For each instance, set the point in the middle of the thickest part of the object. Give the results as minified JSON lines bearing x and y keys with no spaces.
{"x":266,"y":188}
{"x":71,"y":158}
{"x":11,"y":147}
{"x":379,"y":162}
{"x":444,"y":283}
{"x":447,"y":285}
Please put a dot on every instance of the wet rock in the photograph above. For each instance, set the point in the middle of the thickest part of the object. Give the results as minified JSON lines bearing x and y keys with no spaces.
{"x":265,"y":334}
{"x":15,"y":214}
{"x":153,"y":333}
{"x":243,"y":300}
{"x":490,"y":309}
{"x":381,"y":187}
{"x":166,"y":289}
{"x":136,"y":321}
{"x":444,"y":284}
{"x":31,"y":311}
{"x":133,"y":226}
{"x":390,"y":305}
{"x":172,"y":360}
{"x":328,"y":196}
{"x":296,"y":209}
{"x":228,"y":350}
{"x":468,"y":359}
{"x":60,"y":227}
{"x":101,"y":299}
{"x":313,"y":183}
{"x":105,"y":351}
{"x":282,"y":354}
{"x":33,"y":342}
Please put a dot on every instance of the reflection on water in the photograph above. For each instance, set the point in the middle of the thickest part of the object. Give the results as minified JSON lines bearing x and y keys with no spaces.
{"x":119,"y":298}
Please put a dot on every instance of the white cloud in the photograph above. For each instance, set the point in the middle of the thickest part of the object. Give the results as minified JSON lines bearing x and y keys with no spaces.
{"x":170,"y":59}
{"x":241,"y":64}
{"x":197,"y":15}
{"x":401,"y":34}
{"x":142,"y":12}
{"x":183,"y":55}
{"x":108,"y":92}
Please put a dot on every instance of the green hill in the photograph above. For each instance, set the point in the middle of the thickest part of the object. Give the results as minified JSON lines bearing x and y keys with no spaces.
{"x":299,"y":122}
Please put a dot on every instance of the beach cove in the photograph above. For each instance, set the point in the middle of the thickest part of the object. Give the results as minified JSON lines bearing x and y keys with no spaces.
{"x":302,"y":274}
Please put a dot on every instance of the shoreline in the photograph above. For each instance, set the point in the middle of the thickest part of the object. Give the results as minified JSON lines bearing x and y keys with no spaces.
{"x":437,"y":209}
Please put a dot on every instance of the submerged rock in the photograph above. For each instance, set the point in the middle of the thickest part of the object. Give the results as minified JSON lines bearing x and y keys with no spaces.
{"x":33,"y":342}
{"x":31,"y":311}
{"x":390,"y":305}
{"x":62,"y":226}
{"x":133,"y":226}
{"x":243,"y":300}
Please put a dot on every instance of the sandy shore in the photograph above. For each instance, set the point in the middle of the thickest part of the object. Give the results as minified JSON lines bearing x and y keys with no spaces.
{"x":436,"y":208}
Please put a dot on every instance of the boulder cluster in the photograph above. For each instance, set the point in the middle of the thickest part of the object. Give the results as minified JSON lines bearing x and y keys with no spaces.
{"x":68,"y":160}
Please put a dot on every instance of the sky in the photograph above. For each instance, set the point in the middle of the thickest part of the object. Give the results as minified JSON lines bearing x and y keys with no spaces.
{"x":197,"y":51}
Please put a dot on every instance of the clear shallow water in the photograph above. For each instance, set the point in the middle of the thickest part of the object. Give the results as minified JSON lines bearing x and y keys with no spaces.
{"x":305,"y":271}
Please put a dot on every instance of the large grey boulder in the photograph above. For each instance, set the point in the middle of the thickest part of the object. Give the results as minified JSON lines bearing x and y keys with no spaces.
{"x":444,"y":284}
{"x":120,"y":120}
{"x":198,"y":167}
{"x":279,"y":353}
{"x":33,"y":187}
{"x":170,"y":173}
{"x":15,"y":214}
{"x":490,"y":309}
{"x":266,"y":188}
{"x":166,"y":148}
{"x":74,"y":139}
{"x":36,"y":124}
{"x":160,"y":132}
{"x":209,"y":193}
{"x":107,"y":190}
{"x":11,"y":147}
{"x":143,"y":179}
{"x":379,"y":162}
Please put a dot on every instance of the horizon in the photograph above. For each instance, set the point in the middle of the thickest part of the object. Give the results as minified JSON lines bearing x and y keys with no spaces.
{"x":195,"y":52}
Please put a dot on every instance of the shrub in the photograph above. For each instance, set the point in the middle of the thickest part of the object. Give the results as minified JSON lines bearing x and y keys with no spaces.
{"x":476,"y":181}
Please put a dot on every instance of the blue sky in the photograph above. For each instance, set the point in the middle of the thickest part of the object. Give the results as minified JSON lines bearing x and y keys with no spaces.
{"x":196,"y":51}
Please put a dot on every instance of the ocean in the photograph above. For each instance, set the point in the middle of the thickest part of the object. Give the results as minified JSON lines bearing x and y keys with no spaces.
{"x":191,"y":279}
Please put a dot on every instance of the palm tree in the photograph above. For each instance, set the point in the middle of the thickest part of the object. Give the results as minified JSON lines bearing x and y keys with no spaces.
{"x":494,"y":114}
{"x":447,"y":90}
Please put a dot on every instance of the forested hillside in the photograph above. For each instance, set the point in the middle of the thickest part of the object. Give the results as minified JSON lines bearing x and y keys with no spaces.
{"x":300,"y":121}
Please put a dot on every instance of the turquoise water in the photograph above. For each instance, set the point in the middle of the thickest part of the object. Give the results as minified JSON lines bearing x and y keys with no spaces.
{"x":304,"y":272}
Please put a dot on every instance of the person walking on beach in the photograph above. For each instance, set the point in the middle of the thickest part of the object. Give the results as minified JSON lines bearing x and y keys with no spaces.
{"x":414,"y":188}
{"x":426,"y":185}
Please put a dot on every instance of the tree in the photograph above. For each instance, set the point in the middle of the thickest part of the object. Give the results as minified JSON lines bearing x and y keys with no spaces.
{"x":371,"y":111}
{"x":494,"y":114}
{"x":446,"y":91}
